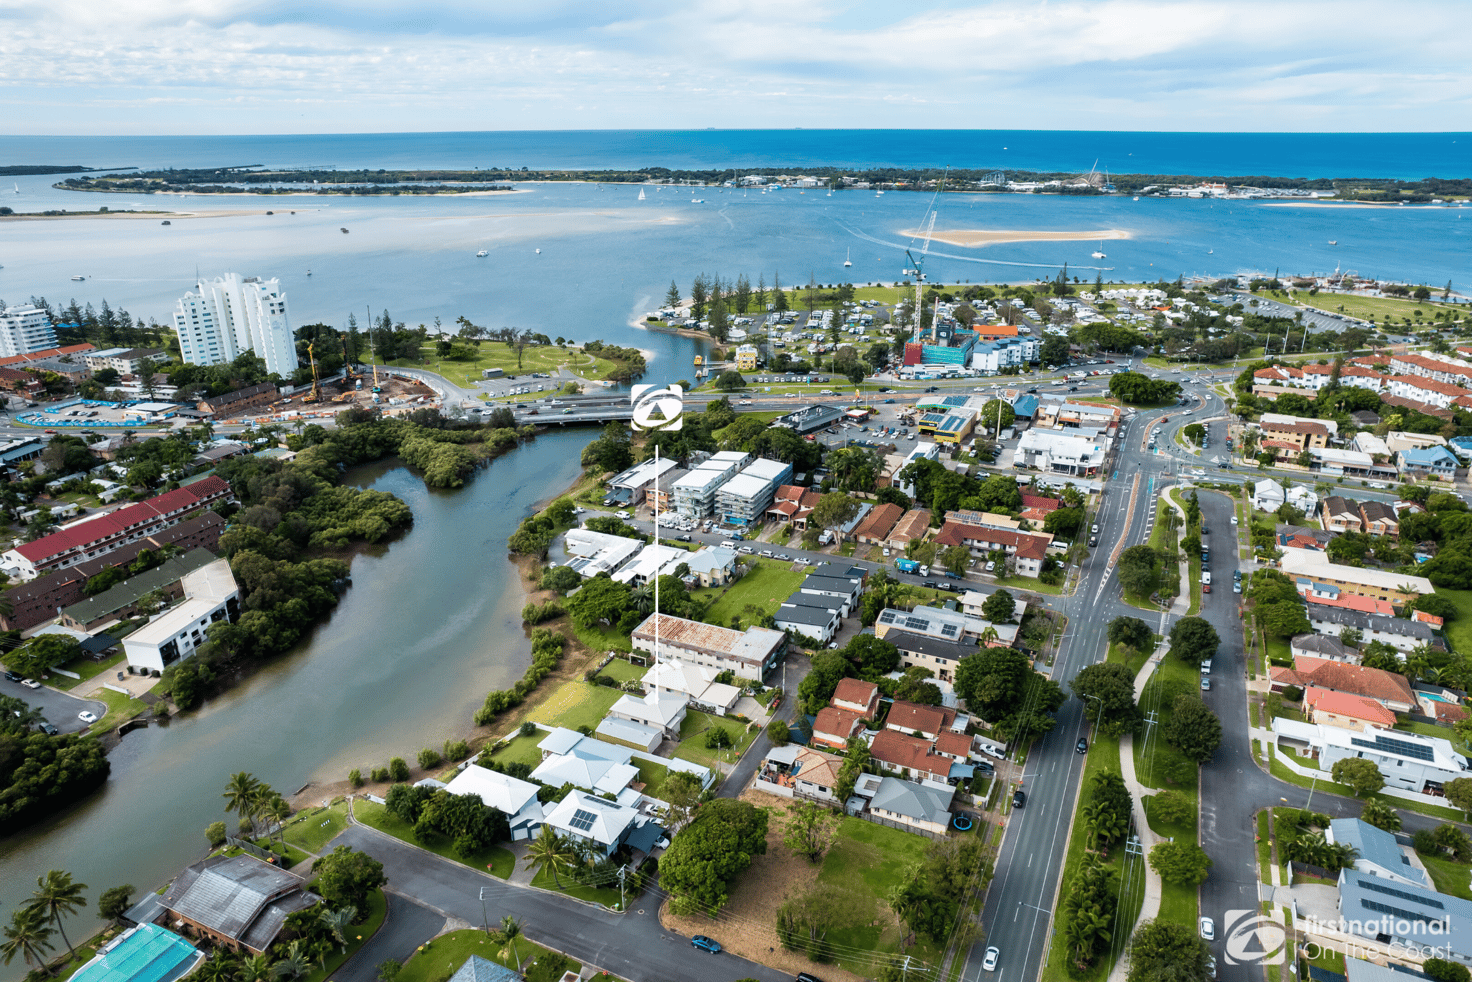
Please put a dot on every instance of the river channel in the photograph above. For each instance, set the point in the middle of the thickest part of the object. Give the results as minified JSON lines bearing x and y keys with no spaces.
{"x":430,"y":624}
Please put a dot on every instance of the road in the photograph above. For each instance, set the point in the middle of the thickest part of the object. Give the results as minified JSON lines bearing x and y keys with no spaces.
{"x":633,"y":946}
{"x":59,"y":708}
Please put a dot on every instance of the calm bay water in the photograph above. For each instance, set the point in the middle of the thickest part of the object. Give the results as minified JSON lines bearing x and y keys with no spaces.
{"x":430,"y":624}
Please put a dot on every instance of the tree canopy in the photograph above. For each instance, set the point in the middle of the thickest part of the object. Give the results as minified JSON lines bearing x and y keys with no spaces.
{"x":712,"y":850}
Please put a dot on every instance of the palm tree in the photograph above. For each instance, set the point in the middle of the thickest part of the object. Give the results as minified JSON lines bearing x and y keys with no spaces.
{"x":1381,"y":815}
{"x":257,"y":969}
{"x":642,"y":599}
{"x":220,"y":968}
{"x":239,"y":793}
{"x":549,"y":851}
{"x":511,"y":927}
{"x":262,"y":804}
{"x":293,"y":964}
{"x":337,"y":922}
{"x":56,"y":895}
{"x":28,"y":936}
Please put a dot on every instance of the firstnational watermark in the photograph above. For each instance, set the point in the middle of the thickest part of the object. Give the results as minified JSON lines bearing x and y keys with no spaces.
{"x":1253,"y":938}
{"x":658,"y":408}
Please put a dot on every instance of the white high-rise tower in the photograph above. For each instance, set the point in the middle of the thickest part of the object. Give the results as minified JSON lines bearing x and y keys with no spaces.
{"x":23,"y":330}
{"x":233,"y":314}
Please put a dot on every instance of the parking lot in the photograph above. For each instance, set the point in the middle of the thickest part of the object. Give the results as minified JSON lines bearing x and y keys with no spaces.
{"x":58,"y":708}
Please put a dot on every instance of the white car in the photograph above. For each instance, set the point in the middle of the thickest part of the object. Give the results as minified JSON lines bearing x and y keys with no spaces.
{"x":30,"y":683}
{"x":623,"y":514}
{"x":87,"y":717}
{"x":989,"y":962}
{"x":1234,"y":519}
{"x":1208,"y":929}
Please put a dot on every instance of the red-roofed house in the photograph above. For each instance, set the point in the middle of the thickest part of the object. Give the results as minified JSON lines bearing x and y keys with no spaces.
{"x":49,"y":353}
{"x":1425,"y":618}
{"x":793,"y":504}
{"x":1389,"y":689}
{"x":833,"y":727}
{"x":1353,"y":601}
{"x":1346,"y":710}
{"x":1028,"y":548}
{"x":956,"y":746}
{"x":913,"y":525}
{"x":909,"y":756}
{"x":97,"y":536}
{"x":911,"y":717}
{"x":877,"y":525}
{"x":857,"y":696}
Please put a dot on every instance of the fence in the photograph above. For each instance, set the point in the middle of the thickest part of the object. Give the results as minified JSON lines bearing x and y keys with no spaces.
{"x":251,"y":848}
{"x":1304,"y":869}
{"x":869,"y":816}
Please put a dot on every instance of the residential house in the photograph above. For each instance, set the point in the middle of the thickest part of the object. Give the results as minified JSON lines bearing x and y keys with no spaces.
{"x":880,"y":523}
{"x":697,"y":682}
{"x":1055,"y":452}
{"x":695,"y":493}
{"x":793,"y":504}
{"x":909,"y":756}
{"x":656,"y":710}
{"x":1302,"y":498}
{"x":857,"y":696}
{"x":1425,"y":390}
{"x":833,"y":727}
{"x":651,"y":561}
{"x":602,"y":826}
{"x":945,"y":624}
{"x":1267,"y":495}
{"x":1325,"y":646}
{"x":923,"y":651}
{"x":1293,"y":437}
{"x":1302,"y":537}
{"x":1437,"y":463}
{"x":1028,"y":549}
{"x":1398,"y":917}
{"x":712,"y":565}
{"x":1408,"y":761}
{"x":1345,"y":710}
{"x":1389,"y":689}
{"x":1379,"y":519}
{"x":847,"y":589}
{"x":515,"y":798}
{"x":915,"y":719}
{"x":801,"y":772}
{"x":598,"y":552}
{"x":743,"y":500}
{"x":240,"y":400}
{"x":925,"y":806}
{"x":750,"y":653}
{"x":1315,"y":575}
{"x":659,"y":494}
{"x":593,"y":765}
{"x":814,"y":615}
{"x":122,"y":601}
{"x":633,"y":484}
{"x":1377,"y":853}
{"x":239,"y":903}
{"x":912,"y":527}
{"x":1398,"y":632}
{"x":1036,"y":508}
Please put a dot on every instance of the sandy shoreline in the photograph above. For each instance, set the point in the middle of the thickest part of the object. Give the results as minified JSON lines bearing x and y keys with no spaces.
{"x":1329,"y":203}
{"x":974,"y":237}
{"x":157,"y":215}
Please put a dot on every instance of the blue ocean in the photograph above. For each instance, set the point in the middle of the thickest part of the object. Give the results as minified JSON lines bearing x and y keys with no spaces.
{"x":1405,"y":156}
{"x":583,"y":260}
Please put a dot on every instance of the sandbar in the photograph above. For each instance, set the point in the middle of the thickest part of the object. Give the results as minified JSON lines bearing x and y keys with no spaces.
{"x":974,"y":237}
{"x":155,"y":215}
{"x":1330,"y":203}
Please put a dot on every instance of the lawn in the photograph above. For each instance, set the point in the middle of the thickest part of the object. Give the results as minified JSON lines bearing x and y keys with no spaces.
{"x":652,"y":776}
{"x":1194,"y":562}
{"x":1264,"y":847}
{"x":1432,"y":730}
{"x":358,"y":934}
{"x":1448,"y":875}
{"x":1164,"y":766}
{"x":600,"y":638}
{"x":120,"y":709}
{"x":623,"y":671}
{"x":442,"y":957}
{"x":693,"y":733}
{"x":1366,"y":307}
{"x":496,"y":354}
{"x":606,"y":896}
{"x":1131,"y":659}
{"x":576,"y":704}
{"x":522,"y":749}
{"x":499,"y":862}
{"x":765,"y":585}
{"x":865,"y":862}
{"x":1459,"y":630}
{"x":87,"y":668}
{"x":312,"y":828}
{"x":1103,"y":758}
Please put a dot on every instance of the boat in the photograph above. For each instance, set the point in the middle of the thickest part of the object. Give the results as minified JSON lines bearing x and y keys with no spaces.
{"x":309,"y":272}
{"x":482,"y":254}
{"x":1137,"y":197}
{"x":539,"y":252}
{"x":166,"y":222}
{"x":1210,"y":251}
{"x":1333,"y":241}
{"x":1099,"y":253}
{"x":846,"y":260}
{"x":641,"y":194}
{"x":697,"y":201}
{"x":344,"y":231}
{"x":79,"y":277}
{"x":17,"y":188}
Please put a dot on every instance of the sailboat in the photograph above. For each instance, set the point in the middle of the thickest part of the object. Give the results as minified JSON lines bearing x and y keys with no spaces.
{"x":17,"y":189}
{"x":641,"y":194}
{"x":846,"y":260}
{"x":1099,"y":254}
{"x":482,"y":254}
{"x":1333,"y":241}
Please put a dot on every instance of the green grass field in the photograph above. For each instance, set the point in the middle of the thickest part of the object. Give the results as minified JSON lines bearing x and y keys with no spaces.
{"x":693,"y":733}
{"x":312,"y":828}
{"x":495,"y":860}
{"x":496,"y":354}
{"x":623,"y":671}
{"x":1163,"y":766}
{"x":442,"y":957}
{"x":120,"y":709}
{"x":87,"y":668}
{"x":865,"y":862}
{"x":1366,"y":307}
{"x":564,"y":884}
{"x":576,"y":704}
{"x":766,"y":585}
{"x":522,"y":749}
{"x":1459,"y":630}
{"x":1448,"y":875}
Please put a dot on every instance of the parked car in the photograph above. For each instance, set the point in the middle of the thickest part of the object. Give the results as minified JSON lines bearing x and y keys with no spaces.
{"x":47,"y":728}
{"x":14,"y":676}
{"x":87,"y":717}
{"x":989,"y":962}
{"x":709,"y":944}
{"x":1205,"y":684}
{"x":1208,"y":929}
{"x":30,"y":683}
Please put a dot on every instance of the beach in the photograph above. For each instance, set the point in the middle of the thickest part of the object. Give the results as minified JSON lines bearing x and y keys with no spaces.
{"x":129,"y":214}
{"x":969,"y":238}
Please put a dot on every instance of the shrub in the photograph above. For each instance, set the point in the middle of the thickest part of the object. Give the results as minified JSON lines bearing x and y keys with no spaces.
{"x":1292,"y":693}
{"x":456,"y":750}
{"x":429,"y":758}
{"x":215,"y":833}
{"x":778,"y":731}
{"x":537,"y":613}
{"x":355,"y":778}
{"x":717,"y":737}
{"x":379,"y":775}
{"x":528,"y":729}
{"x":398,"y":770}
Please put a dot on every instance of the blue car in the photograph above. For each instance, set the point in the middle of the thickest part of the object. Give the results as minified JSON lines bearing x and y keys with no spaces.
{"x":709,"y":944}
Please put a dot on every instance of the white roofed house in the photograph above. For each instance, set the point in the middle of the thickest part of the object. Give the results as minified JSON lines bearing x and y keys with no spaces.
{"x":512,"y":796}
{"x":600,"y":824}
{"x":664,"y":711}
{"x":1267,"y":495}
{"x":637,"y":480}
{"x":743,"y":500}
{"x":210,"y":595}
{"x":697,"y":682}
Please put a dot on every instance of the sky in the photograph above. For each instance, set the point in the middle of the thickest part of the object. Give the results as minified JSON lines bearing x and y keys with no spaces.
{"x":344,"y":66}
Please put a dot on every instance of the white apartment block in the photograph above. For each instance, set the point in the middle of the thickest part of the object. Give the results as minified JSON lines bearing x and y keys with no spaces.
{"x":695,"y":493}
{"x":210,"y":595}
{"x":23,"y":330}
{"x":744,"y":499}
{"x":231,"y":315}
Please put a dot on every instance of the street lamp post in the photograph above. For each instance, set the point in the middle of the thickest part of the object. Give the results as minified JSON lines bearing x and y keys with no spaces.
{"x":485,"y":924}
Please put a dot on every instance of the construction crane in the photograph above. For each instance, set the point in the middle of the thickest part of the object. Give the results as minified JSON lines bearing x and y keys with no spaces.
{"x":316,"y":394}
{"x":917,"y":266}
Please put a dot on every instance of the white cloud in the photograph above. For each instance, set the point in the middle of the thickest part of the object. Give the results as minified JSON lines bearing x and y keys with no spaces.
{"x":90,"y":66}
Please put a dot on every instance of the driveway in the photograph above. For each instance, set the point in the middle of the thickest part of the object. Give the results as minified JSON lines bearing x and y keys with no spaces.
{"x":59,"y":708}
{"x":633,"y":946}
{"x":407,"y":926}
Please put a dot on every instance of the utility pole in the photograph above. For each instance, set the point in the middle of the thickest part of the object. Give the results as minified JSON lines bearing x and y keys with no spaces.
{"x":622,"y":871}
{"x":485,"y":924}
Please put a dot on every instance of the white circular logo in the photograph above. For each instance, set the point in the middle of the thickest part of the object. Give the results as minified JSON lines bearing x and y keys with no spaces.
{"x":658,"y":407}
{"x":1253,"y":938}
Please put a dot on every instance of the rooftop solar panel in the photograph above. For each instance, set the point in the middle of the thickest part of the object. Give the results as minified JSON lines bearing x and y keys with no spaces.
{"x":582,"y":821}
{"x":1402,"y":894}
